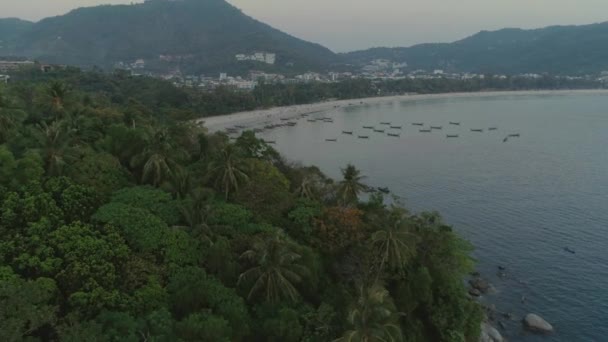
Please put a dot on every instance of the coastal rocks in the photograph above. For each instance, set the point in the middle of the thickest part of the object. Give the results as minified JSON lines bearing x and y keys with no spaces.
{"x":474,"y":292}
{"x":480,"y":284}
{"x":489,"y":334}
{"x":535,"y":323}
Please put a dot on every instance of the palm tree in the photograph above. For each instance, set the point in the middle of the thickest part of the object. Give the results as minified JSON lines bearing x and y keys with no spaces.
{"x":276,"y":270}
{"x":373,"y":318}
{"x":9,"y":116}
{"x":57,"y":93}
{"x":228,"y":170}
{"x":350,"y":187}
{"x":195,"y":211}
{"x":54,"y":141}
{"x":392,"y":243}
{"x":157,"y":158}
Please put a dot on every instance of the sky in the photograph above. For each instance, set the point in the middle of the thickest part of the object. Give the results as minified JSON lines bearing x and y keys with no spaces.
{"x":346,"y":25}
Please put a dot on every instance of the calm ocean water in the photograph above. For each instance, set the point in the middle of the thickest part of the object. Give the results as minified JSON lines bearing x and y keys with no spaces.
{"x":520,"y":202}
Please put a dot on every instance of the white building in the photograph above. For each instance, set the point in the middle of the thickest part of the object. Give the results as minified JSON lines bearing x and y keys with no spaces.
{"x":262,"y":57}
{"x":4,"y":78}
{"x":223,"y":76}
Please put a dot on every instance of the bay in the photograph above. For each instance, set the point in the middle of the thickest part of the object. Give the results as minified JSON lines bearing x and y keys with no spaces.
{"x":519,"y":202}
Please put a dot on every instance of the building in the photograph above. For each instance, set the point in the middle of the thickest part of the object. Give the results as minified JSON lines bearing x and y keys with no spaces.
{"x":7,"y":66}
{"x":262,"y":57}
{"x":4,"y":78}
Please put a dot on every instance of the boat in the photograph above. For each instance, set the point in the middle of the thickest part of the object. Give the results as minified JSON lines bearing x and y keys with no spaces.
{"x":258,"y":130}
{"x":425,"y":131}
{"x":452,"y":136}
{"x":347,"y":132}
{"x":492,"y":128}
{"x":311,"y":120}
{"x":292,"y":124}
{"x":384,"y":190}
{"x":334,"y":140}
{"x":379,"y":130}
{"x":394,"y":135}
{"x":476,"y":130}
{"x":569,"y":250}
{"x":436,"y":127}
{"x":269,"y":141}
{"x":454,"y":123}
{"x":385,"y":123}
{"x":417,"y":124}
{"x":363,"y":137}
{"x":239,"y":126}
{"x":514,"y":135}
{"x":284,"y":119}
{"x":396,"y":127}
{"x":368,"y":127}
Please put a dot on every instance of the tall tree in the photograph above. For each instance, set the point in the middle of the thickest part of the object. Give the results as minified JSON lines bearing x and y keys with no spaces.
{"x":351,"y":186}
{"x":276,"y":269}
{"x":54,"y":141}
{"x":373,"y":317}
{"x":228,"y":170}
{"x":158,"y":158}
{"x":393,"y":242}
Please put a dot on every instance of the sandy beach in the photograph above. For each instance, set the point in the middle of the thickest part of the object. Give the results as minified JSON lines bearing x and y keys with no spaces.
{"x":262,"y":117}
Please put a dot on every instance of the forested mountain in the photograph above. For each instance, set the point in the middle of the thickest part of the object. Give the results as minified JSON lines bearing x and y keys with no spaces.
{"x":197,"y":35}
{"x":10,"y":29}
{"x":556,"y":49}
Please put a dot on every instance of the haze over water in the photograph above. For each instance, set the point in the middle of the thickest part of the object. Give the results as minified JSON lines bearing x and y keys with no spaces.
{"x":520,"y":202}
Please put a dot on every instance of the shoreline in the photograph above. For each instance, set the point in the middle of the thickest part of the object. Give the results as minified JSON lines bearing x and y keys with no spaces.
{"x":260,"y":117}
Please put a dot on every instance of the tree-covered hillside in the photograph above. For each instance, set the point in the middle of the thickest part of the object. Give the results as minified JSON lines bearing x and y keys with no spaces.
{"x":196,"y":35}
{"x":10,"y":30}
{"x":118,"y":223}
{"x":556,"y":50}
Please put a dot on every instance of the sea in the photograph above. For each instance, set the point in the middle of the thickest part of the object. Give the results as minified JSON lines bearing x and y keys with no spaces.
{"x":536,"y":204}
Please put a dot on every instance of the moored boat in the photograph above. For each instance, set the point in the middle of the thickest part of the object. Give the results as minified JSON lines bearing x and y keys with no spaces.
{"x":417,"y":124}
{"x":394,"y":135}
{"x":454,"y":123}
{"x":436,"y":127}
{"x":476,"y":130}
{"x":396,"y":127}
{"x":334,"y":140}
{"x":347,"y":132}
{"x":363,"y":137}
{"x":425,"y":131}
{"x":452,"y":136}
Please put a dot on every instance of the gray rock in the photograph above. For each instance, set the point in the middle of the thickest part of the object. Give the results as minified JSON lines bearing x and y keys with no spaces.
{"x":535,"y":323}
{"x":474,"y":292}
{"x":489,"y":334}
{"x":480,"y":284}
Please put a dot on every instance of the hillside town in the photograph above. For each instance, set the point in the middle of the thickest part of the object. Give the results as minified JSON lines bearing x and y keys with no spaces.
{"x":377,"y":70}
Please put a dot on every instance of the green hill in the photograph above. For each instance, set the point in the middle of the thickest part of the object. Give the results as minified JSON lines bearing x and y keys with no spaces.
{"x":196,"y":35}
{"x":10,"y":29}
{"x":556,"y":49}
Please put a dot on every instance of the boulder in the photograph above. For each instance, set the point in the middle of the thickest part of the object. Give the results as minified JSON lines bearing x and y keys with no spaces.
{"x":489,"y":334}
{"x":474,"y":292}
{"x":535,"y":323}
{"x":482,"y":285}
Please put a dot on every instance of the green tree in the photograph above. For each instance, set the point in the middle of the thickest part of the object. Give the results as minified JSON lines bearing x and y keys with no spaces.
{"x":276,"y":269}
{"x":393,"y":242}
{"x":350,"y":187}
{"x":373,"y":317}
{"x":54,"y":143}
{"x":228,"y":170}
{"x":25,"y":307}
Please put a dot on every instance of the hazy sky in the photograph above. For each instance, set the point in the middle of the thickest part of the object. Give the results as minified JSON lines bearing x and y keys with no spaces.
{"x":344,"y":25}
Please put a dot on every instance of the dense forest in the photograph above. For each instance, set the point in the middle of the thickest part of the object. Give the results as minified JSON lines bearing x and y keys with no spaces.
{"x":169,"y":102}
{"x":120,"y":222}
